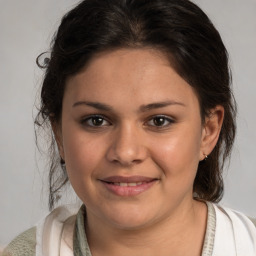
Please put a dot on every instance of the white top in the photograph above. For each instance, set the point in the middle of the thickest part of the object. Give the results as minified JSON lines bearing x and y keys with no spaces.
{"x":228,"y":233}
{"x":235,"y":234}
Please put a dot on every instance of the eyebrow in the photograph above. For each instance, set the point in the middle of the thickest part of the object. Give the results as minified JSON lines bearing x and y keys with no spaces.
{"x":143,"y":108}
{"x":157,"y":105}
{"x":97,"y":105}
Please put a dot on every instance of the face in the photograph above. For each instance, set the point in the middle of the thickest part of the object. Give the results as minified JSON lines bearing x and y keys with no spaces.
{"x":131,"y":136}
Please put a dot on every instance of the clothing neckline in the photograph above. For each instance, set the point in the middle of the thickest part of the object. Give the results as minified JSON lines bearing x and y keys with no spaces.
{"x":210,"y":230}
{"x":81,"y":246}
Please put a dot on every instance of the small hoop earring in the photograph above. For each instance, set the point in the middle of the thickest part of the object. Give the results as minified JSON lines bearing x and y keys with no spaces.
{"x":62,"y":163}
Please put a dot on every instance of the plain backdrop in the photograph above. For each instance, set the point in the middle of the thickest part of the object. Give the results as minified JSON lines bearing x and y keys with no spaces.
{"x":26,"y":28}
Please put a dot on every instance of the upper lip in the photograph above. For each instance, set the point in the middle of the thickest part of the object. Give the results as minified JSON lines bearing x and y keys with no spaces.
{"x":127,"y":179}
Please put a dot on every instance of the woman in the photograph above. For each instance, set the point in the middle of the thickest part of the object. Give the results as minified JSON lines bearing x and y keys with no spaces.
{"x":138,"y":97}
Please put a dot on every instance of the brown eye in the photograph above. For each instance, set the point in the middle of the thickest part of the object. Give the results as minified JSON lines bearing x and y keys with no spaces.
{"x":95,"y":121}
{"x":160,"y":121}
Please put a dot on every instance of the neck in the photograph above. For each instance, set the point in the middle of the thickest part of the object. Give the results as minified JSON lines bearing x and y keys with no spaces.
{"x":180,"y":233}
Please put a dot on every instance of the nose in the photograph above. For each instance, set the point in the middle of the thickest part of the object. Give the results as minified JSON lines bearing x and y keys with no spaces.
{"x":127,"y":147}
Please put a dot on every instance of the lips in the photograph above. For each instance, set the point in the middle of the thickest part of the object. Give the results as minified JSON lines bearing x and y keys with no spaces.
{"x":128,"y":186}
{"x":131,"y":179}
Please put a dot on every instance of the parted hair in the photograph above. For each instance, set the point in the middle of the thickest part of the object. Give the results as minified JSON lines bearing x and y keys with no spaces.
{"x":178,"y":28}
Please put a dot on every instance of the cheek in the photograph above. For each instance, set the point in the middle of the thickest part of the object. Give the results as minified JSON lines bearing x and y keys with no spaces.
{"x":82,"y":155}
{"x":179,"y":154}
{"x":177,"y":159}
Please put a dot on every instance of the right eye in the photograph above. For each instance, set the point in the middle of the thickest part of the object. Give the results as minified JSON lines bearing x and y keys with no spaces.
{"x":95,"y":121}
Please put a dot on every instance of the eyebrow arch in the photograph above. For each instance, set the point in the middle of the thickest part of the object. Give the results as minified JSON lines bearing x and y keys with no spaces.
{"x":156,"y":105}
{"x":143,"y":108}
{"x":96,"y":105}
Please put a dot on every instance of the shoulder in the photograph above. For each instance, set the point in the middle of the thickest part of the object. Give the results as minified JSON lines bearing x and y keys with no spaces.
{"x":237,"y":218}
{"x":253,"y":220}
{"x":234,"y":230}
{"x":57,"y":224}
{"x":23,"y":245}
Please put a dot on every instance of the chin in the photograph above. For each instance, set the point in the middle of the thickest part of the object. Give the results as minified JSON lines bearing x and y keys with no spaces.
{"x":130,"y":219}
{"x":130,"y":224}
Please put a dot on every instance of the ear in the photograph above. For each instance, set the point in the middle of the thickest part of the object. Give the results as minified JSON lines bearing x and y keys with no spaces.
{"x":211,"y":130}
{"x":56,"y":128}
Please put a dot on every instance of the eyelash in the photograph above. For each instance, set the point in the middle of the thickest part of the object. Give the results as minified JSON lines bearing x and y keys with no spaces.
{"x":164,"y":118}
{"x":88,"y":121}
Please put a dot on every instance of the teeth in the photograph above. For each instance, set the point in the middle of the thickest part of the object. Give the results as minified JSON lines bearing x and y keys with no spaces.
{"x":131,"y":184}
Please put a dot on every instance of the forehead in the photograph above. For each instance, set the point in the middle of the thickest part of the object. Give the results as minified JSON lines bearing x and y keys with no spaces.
{"x":143,"y":75}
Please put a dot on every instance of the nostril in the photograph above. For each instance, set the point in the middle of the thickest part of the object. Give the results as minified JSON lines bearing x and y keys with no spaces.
{"x":126,"y":162}
{"x":126,"y":148}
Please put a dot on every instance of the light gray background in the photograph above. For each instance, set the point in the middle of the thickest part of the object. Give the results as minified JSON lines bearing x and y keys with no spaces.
{"x":26,"y":28}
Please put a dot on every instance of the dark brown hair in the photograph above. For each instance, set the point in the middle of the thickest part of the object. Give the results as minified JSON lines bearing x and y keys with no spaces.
{"x":178,"y":28}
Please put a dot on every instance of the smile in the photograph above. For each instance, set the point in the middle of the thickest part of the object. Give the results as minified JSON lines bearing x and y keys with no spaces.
{"x":128,"y":186}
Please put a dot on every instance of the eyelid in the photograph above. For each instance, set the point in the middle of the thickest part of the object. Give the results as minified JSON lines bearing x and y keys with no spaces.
{"x":85,"y":119}
{"x":166,"y":117}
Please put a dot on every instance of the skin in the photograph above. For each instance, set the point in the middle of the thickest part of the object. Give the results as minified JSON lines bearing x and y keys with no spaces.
{"x":133,"y":136}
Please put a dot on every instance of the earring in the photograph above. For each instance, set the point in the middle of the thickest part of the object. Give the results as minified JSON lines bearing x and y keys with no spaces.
{"x":205,"y":157}
{"x":62,"y":163}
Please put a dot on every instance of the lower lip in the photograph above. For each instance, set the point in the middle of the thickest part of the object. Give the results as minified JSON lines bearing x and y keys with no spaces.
{"x":127,"y":191}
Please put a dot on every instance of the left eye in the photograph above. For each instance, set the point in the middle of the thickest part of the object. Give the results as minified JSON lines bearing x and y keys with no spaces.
{"x":95,"y":121}
{"x":160,"y":121}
